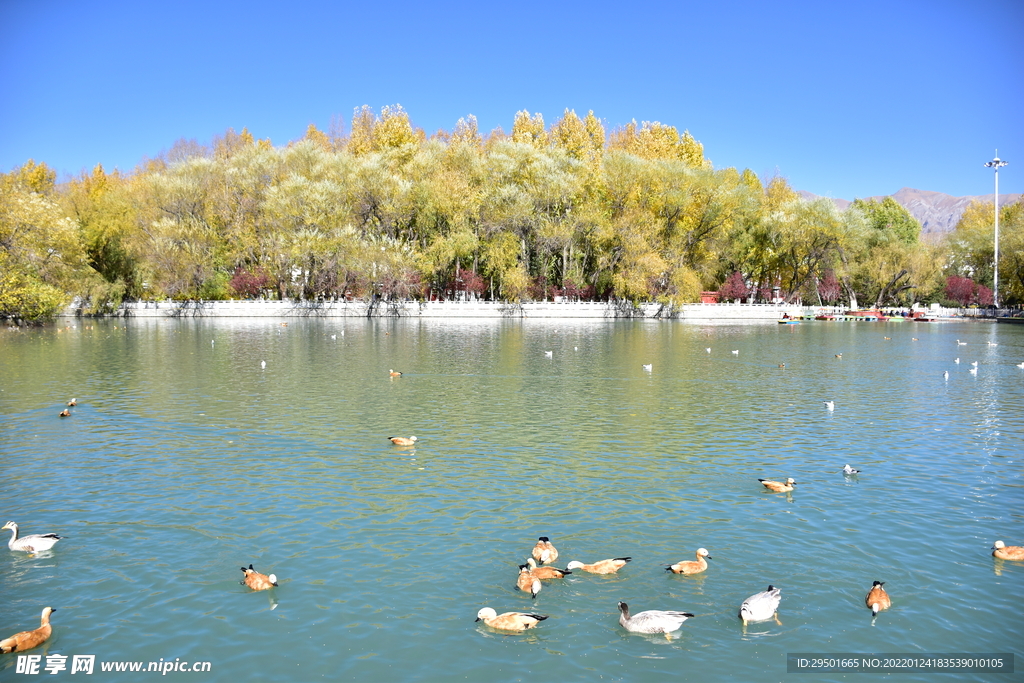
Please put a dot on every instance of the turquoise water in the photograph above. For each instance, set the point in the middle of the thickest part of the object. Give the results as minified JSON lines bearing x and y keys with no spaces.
{"x":185,"y":460}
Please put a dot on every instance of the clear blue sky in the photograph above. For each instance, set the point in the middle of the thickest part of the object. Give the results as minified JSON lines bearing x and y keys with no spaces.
{"x":847,"y":99}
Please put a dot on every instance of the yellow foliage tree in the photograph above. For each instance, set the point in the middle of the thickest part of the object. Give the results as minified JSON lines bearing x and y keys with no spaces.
{"x":529,"y":129}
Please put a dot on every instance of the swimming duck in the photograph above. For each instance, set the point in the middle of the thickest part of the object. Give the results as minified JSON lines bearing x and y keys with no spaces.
{"x":761,"y":606}
{"x":527,"y":582}
{"x":691,"y":566}
{"x":256,"y":581}
{"x":652,"y":620}
{"x":509,"y":621}
{"x":64,"y":413}
{"x":877,"y":599}
{"x":32,"y":543}
{"x":73,"y":402}
{"x":402,"y":441}
{"x":778,"y":486}
{"x":1008,"y":552}
{"x":782,"y":365}
{"x":26,"y":640}
{"x":394,"y":374}
{"x":547,"y":572}
{"x":839,"y":356}
{"x":849,"y":470}
{"x":960,"y":343}
{"x":544,"y":552}
{"x":602,"y":566}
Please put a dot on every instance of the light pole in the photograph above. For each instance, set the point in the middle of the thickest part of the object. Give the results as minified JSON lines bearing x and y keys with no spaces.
{"x":996,"y":164}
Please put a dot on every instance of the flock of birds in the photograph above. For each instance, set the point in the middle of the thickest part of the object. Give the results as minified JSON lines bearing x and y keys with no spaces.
{"x":761,"y":606}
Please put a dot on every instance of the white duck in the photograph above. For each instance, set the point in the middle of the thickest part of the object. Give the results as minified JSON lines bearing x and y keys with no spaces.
{"x":32,"y":543}
{"x":761,"y":606}
{"x":652,"y":620}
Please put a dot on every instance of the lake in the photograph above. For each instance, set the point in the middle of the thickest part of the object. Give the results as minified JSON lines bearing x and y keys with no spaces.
{"x":185,"y":459}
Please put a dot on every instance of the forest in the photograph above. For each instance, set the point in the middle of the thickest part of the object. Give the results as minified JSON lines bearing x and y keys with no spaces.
{"x":380,"y":209}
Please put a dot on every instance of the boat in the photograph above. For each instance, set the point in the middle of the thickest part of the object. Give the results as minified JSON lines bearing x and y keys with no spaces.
{"x":867,"y":315}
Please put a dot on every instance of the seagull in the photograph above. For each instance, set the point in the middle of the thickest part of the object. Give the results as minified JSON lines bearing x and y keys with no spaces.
{"x":736,"y":353}
{"x":548,"y":354}
{"x":993,"y":344}
{"x":974,"y":363}
{"x":957,"y":361}
{"x":708,"y":349}
{"x":849,"y":470}
{"x":831,"y":405}
{"x":974,"y":371}
{"x":945,"y":375}
{"x":648,"y":367}
{"x":1020,"y":365}
{"x":334,"y":336}
{"x":263,"y":364}
{"x":960,"y":343}
{"x":575,"y":348}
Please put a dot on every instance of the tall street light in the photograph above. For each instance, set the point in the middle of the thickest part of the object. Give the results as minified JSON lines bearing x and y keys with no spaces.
{"x":996,"y":164}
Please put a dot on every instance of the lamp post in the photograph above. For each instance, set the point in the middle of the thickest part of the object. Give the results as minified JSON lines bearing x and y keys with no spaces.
{"x":996,"y":164}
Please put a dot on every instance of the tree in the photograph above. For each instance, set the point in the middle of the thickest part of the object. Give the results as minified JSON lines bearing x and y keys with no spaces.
{"x":735,"y":287}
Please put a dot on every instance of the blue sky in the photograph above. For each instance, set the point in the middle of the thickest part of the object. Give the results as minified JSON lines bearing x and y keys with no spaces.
{"x":843,"y":99}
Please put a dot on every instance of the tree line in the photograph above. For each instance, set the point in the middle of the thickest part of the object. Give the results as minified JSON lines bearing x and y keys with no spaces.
{"x":386,"y":211}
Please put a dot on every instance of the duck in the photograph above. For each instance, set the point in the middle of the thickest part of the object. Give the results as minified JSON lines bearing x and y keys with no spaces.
{"x":960,"y":343}
{"x":782,"y":365}
{"x":402,"y":441}
{"x":73,"y":402}
{"x":849,"y":470}
{"x":509,"y":621}
{"x":831,"y":405}
{"x":547,"y":572}
{"x":32,"y":543}
{"x":394,"y":374}
{"x":1008,"y":552}
{"x":993,"y":344}
{"x":761,"y":606}
{"x":778,"y":486}
{"x":256,"y":581}
{"x":839,"y":356}
{"x":26,"y":640}
{"x":609,"y":566}
{"x":652,"y":620}
{"x":877,"y":599}
{"x":691,"y":566}
{"x":887,"y":338}
{"x":649,"y":367}
{"x":544,"y":552}
{"x":527,"y":582}
{"x":64,"y":413}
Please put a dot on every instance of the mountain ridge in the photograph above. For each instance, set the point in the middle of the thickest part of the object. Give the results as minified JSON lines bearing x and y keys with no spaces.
{"x":938,"y":213}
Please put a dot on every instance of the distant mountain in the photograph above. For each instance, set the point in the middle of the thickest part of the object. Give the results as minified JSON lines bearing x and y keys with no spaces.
{"x":937,"y":213}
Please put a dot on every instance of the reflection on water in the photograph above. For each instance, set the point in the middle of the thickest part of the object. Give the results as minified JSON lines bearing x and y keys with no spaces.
{"x":186,"y":459}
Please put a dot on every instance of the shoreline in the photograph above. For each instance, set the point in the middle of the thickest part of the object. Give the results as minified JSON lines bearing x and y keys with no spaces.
{"x":593,"y":310}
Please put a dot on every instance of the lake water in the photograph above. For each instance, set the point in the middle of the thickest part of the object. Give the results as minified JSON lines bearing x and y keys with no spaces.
{"x":185,"y":460}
